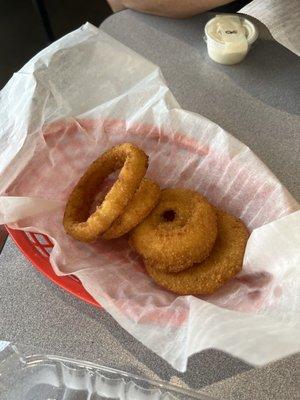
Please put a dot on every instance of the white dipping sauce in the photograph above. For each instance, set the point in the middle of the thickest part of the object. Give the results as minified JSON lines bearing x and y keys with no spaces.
{"x":229,"y":38}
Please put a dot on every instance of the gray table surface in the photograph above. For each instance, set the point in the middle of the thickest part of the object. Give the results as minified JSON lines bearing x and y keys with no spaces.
{"x":257,"y":101}
{"x":41,"y":317}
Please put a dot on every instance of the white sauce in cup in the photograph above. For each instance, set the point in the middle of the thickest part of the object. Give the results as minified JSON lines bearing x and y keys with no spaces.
{"x":229,"y":38}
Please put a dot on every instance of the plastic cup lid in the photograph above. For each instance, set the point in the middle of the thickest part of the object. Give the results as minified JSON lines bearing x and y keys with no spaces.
{"x":229,"y":28}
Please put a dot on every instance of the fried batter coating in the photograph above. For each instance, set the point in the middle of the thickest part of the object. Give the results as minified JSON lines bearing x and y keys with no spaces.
{"x":77,"y":221}
{"x":180,"y":231}
{"x":139,"y":207}
{"x":223,"y":263}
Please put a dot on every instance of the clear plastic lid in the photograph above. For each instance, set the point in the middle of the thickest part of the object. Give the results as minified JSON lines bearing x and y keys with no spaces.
{"x":45,"y":377}
{"x":227,"y":28}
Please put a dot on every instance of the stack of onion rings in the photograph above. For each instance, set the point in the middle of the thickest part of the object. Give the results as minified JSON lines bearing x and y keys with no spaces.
{"x":223,"y":263}
{"x":77,"y":221}
{"x":188,"y":246}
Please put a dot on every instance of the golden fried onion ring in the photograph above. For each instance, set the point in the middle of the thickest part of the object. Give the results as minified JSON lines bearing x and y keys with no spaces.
{"x":77,"y":221}
{"x":180,"y":231}
{"x":139,"y":207}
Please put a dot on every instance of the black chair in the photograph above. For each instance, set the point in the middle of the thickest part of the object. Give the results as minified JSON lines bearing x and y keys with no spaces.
{"x":42,"y":10}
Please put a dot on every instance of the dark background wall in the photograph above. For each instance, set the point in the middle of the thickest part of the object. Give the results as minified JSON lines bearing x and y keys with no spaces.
{"x":22,"y":32}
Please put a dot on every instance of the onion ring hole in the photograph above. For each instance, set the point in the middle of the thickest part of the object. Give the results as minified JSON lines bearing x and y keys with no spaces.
{"x":168,"y":215}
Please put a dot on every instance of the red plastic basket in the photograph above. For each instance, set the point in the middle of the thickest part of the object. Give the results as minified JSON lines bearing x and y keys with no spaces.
{"x":37,"y":248}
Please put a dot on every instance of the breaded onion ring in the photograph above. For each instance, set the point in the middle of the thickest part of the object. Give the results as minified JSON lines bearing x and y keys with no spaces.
{"x":223,"y":263}
{"x":180,"y":231}
{"x":139,"y":207}
{"x":77,"y":221}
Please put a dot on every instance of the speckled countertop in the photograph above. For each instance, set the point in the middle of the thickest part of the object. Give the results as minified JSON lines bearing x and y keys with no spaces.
{"x":257,"y":103}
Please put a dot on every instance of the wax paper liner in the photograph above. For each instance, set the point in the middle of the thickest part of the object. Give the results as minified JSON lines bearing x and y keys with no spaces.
{"x":86,"y":93}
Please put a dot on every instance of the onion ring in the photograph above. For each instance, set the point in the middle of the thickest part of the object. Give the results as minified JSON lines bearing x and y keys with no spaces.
{"x":139,"y":207}
{"x":224,"y":262}
{"x":179,"y":232}
{"x":77,"y":221}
